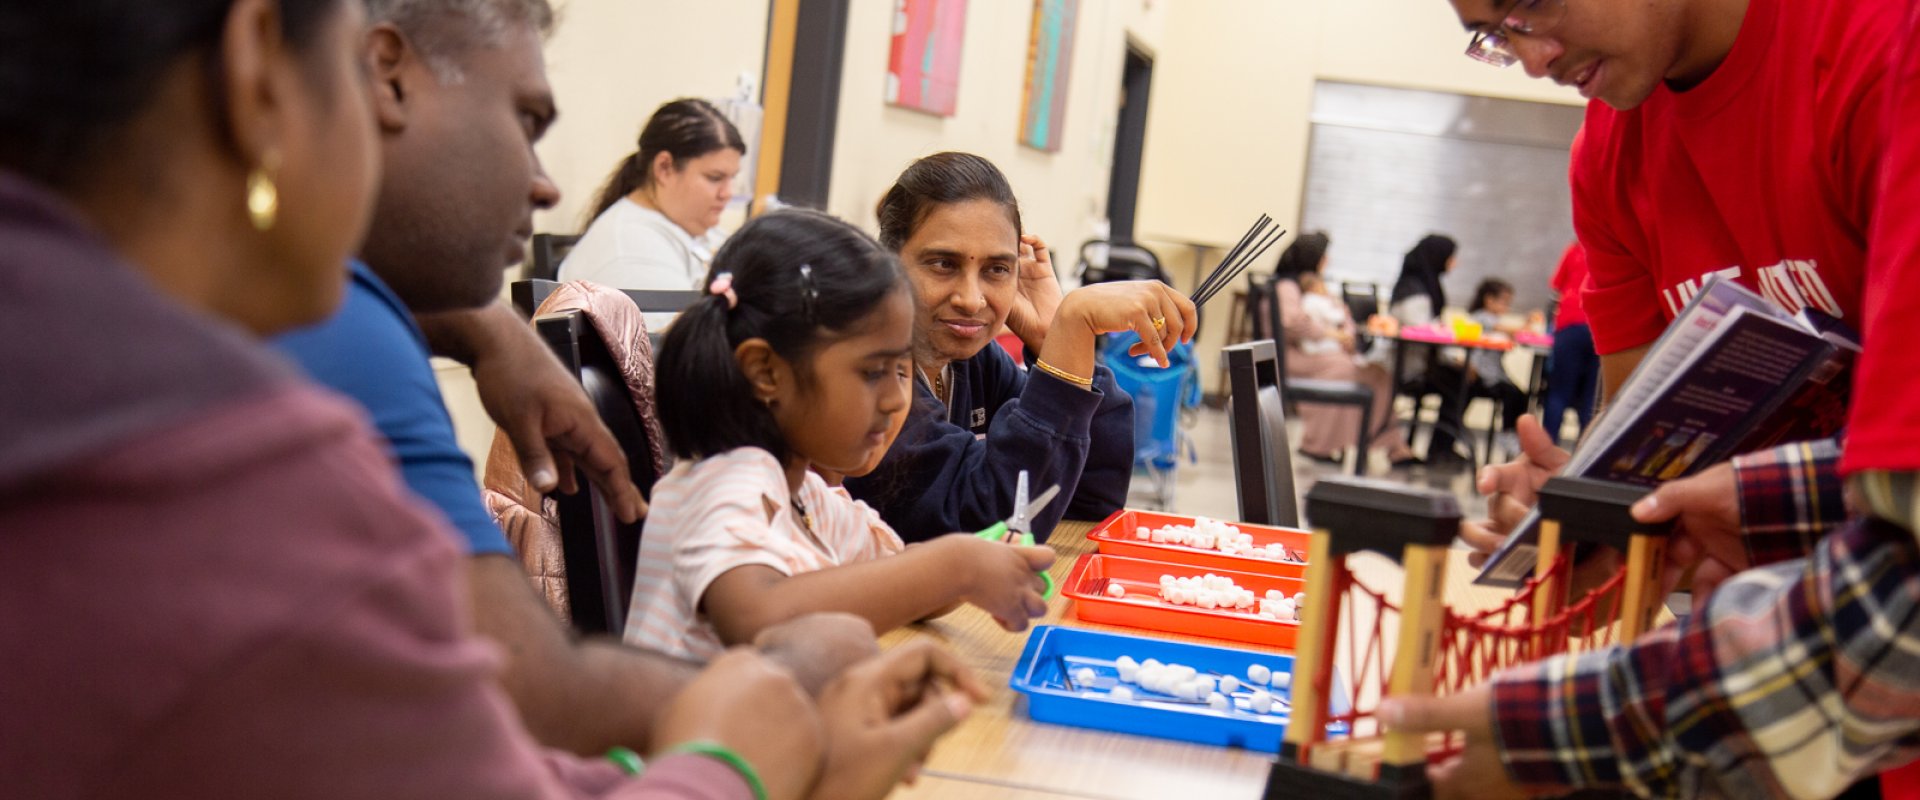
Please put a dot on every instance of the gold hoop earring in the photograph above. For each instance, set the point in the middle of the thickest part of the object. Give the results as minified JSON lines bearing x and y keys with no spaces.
{"x":263,"y":197}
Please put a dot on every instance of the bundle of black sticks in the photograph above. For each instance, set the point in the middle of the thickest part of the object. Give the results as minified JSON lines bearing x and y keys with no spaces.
{"x":1251,"y":246}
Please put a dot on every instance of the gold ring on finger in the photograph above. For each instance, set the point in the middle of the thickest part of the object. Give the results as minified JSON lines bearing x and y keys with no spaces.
{"x":1159,"y":323}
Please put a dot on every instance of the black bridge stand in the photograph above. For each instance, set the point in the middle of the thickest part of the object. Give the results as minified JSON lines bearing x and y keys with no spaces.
{"x":1414,"y":527}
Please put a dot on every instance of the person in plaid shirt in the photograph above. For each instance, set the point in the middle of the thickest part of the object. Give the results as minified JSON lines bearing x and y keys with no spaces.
{"x":1796,"y":676}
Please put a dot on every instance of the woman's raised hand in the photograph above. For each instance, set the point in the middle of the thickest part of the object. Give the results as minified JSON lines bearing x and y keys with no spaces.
{"x":1038,"y":296}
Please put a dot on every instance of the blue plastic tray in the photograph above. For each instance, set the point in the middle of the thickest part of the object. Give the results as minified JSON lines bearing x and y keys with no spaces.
{"x":1053,"y":653}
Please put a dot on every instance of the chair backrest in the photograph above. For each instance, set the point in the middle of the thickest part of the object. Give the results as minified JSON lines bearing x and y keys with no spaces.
{"x":1125,"y":262}
{"x":600,"y":550}
{"x":1263,"y":294}
{"x":549,"y":249}
{"x":527,"y":296}
{"x":1363,"y":299}
{"x":1257,"y":422}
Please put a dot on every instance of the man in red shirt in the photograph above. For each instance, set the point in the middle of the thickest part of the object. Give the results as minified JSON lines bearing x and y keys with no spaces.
{"x":1797,"y":676}
{"x":1733,"y":137}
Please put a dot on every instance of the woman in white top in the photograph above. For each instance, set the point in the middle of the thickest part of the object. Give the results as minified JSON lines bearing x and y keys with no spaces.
{"x":653,"y":226}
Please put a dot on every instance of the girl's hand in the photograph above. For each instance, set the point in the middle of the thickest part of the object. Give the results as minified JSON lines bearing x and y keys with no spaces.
{"x":1002,"y":579}
{"x":1038,"y":296}
{"x":1133,"y":306}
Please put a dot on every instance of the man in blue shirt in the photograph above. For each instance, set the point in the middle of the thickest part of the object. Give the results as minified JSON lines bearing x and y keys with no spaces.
{"x":373,"y":352}
{"x":459,"y":185}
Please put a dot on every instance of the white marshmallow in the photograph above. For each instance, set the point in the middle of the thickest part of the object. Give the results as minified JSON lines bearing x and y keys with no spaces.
{"x":1126,"y":661}
{"x":1116,"y":590}
{"x":1084,"y":676}
{"x":1259,"y":674}
{"x":1121,"y":694}
{"x":1187,"y":691}
{"x":1229,"y":684}
{"x":1217,"y":701}
{"x":1141,"y":533}
{"x":1282,"y":680}
{"x":1261,"y":704}
{"x":1129,"y":673}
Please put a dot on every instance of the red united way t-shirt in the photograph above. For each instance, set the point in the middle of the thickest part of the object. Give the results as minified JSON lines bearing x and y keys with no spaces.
{"x":1883,"y":432}
{"x":1765,"y":172}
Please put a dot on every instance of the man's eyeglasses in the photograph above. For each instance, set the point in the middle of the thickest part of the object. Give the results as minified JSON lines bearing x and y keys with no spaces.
{"x":1493,"y":42}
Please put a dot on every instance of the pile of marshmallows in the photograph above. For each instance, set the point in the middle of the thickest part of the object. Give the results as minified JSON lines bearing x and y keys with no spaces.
{"x":1186,"y":683}
{"x":1212,"y":534}
{"x":1219,"y":591}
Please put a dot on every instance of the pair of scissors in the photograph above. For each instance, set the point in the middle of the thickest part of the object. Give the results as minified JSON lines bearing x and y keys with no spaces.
{"x":1018,"y":528}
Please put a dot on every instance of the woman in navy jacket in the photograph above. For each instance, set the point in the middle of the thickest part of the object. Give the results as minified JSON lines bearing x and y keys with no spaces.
{"x":977,"y":419}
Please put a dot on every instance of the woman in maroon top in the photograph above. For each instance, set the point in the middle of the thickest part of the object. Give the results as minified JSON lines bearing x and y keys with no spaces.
{"x":216,"y":584}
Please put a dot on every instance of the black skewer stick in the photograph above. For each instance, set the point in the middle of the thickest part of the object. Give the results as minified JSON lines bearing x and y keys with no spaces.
{"x":1259,"y":227}
{"x":1233,"y":254}
{"x":1251,"y":256}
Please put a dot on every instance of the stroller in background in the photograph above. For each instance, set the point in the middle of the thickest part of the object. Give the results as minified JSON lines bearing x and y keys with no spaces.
{"x":1164,"y":409}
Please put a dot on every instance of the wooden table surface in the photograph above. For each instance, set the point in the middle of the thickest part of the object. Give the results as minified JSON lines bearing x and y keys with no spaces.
{"x":1000,"y":752}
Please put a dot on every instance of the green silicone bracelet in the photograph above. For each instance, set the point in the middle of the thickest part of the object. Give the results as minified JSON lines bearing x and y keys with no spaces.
{"x":628,"y":761}
{"x":731,"y":758}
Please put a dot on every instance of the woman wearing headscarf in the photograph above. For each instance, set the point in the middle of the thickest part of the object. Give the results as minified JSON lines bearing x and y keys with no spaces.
{"x":1418,"y":298}
{"x":1325,"y":429}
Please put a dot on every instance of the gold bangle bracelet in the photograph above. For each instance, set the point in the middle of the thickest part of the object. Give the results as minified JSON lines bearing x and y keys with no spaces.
{"x":1084,"y":383}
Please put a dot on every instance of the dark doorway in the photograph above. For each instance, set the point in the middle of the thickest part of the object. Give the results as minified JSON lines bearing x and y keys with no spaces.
{"x":813,"y":107}
{"x":1129,"y":143}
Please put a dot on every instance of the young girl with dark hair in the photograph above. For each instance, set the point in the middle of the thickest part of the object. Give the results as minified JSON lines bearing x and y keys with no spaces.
{"x":654,"y":222}
{"x":796,"y":359}
{"x":1492,"y":299}
{"x":978,"y":420}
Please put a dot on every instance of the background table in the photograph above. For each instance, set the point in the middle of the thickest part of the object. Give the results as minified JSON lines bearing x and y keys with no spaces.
{"x":1534,"y":371}
{"x":1000,"y":752}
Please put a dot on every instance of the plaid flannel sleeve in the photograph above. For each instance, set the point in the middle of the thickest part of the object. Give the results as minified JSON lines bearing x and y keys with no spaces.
{"x":1793,"y":680}
{"x":1790,"y":496}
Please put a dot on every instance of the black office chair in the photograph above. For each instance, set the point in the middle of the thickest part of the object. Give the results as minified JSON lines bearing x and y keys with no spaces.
{"x":1257,"y":423}
{"x":1125,"y":262}
{"x":1264,"y":297}
{"x":527,"y":296}
{"x":549,"y":249}
{"x":1363,"y":301}
{"x":600,"y":550}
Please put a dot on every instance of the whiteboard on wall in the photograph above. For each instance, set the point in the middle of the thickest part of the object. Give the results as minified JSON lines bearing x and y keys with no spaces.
{"x":1387,"y":166}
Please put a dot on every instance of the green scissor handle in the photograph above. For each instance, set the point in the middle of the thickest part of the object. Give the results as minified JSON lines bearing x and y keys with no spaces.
{"x":997,"y":532}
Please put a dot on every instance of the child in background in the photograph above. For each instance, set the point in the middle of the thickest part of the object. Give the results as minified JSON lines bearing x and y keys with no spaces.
{"x":797,"y":358}
{"x":1492,"y":299}
{"x":1319,"y":304}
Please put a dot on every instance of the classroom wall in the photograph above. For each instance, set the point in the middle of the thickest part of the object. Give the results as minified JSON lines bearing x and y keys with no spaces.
{"x":1061,"y":194}
{"x":1227,"y":134}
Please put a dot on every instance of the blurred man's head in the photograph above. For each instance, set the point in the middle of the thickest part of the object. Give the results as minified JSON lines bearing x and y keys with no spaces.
{"x":461,"y":96}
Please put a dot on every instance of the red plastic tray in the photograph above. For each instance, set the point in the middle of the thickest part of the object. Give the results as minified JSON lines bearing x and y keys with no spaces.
{"x":1143,"y":608}
{"x":1114,"y":537}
